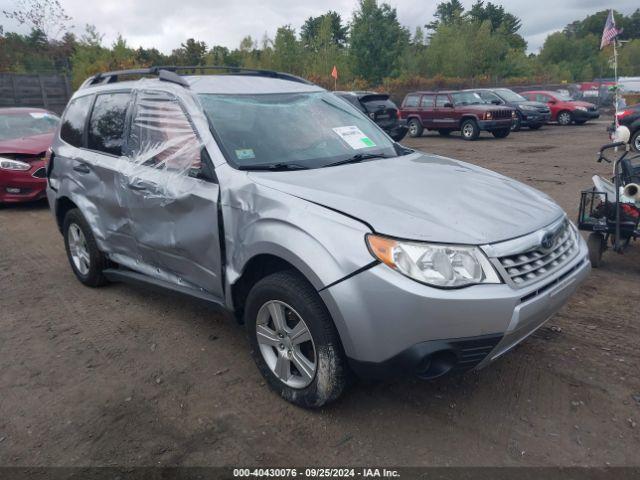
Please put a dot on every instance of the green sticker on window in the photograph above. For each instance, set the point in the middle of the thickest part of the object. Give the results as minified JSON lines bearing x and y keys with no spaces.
{"x":245,"y":154}
{"x":367,"y":141}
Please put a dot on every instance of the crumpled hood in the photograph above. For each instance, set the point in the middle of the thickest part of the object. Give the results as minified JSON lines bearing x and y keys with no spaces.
{"x":423,"y":197}
{"x":31,"y":145}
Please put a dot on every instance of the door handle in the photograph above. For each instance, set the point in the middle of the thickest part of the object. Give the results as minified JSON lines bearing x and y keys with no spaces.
{"x":82,"y":168}
{"x":142,"y":186}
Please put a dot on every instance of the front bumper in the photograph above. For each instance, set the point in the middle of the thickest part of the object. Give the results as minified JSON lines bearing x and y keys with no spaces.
{"x":16,"y":186}
{"x":581,"y":115}
{"x":390,"y":324}
{"x":534,"y":118}
{"x":490,"y":125}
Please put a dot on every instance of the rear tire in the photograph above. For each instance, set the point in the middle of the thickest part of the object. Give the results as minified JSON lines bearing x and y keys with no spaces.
{"x":597,"y":246}
{"x":87,"y":261}
{"x":469,"y":129}
{"x":278,"y":306}
{"x":565,"y":118}
{"x":415,"y":128}
{"x":504,"y":133}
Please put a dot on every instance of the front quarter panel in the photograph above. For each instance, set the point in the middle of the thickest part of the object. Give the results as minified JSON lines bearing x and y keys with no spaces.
{"x":323,"y":244}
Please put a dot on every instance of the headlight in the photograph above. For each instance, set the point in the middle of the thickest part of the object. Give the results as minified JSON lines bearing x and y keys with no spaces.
{"x":488,"y":116}
{"x":8,"y":164}
{"x":444,"y":266}
{"x":584,"y":109}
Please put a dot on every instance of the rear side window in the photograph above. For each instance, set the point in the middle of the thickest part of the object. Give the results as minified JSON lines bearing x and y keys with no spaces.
{"x":427,"y":101}
{"x":542,"y":98}
{"x":411,"y":101}
{"x":106,"y":127}
{"x":74,"y":119}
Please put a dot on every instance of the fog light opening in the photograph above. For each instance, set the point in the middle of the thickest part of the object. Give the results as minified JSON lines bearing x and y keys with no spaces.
{"x":436,"y":365}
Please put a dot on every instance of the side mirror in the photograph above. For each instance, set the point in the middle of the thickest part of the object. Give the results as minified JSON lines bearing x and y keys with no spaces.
{"x":448,"y":105}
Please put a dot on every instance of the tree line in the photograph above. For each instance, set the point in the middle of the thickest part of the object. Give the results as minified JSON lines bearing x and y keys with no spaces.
{"x":481,"y":45}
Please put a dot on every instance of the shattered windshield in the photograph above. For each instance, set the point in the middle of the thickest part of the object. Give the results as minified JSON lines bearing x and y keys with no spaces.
{"x":26,"y":124}
{"x":510,"y":95}
{"x":297,"y":130}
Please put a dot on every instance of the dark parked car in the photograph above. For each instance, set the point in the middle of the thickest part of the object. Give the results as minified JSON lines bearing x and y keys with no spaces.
{"x":564,"y":109}
{"x":630,"y":118}
{"x":380,"y":108}
{"x":447,"y":112}
{"x":528,"y":114}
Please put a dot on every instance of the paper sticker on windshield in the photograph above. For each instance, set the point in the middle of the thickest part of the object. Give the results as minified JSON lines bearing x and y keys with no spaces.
{"x":245,"y":154}
{"x":354,"y":137}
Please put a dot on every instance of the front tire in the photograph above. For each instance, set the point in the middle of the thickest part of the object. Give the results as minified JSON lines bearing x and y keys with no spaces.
{"x":294,"y":341}
{"x":565,"y":118}
{"x":87,"y":261}
{"x":415,"y":128}
{"x":469,"y":129}
{"x":516,"y":126}
{"x":504,"y":133}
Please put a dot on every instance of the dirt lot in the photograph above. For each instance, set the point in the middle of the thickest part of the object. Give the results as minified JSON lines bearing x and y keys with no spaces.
{"x":124,"y":376}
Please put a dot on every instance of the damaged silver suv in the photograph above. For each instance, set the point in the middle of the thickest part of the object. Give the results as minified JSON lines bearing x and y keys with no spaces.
{"x":340,"y":250}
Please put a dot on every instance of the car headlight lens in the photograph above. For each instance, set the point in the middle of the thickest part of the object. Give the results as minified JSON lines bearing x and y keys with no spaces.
{"x":443,"y":266}
{"x":488,"y":116}
{"x":584,"y":109}
{"x":8,"y":164}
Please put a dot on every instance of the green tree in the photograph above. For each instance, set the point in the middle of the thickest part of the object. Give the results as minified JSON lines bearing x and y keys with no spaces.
{"x":191,"y":52}
{"x":287,"y":51}
{"x":310,"y":30}
{"x":377,"y":41}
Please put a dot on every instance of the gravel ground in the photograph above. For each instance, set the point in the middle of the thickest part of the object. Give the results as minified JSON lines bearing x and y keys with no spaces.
{"x":127,"y":376}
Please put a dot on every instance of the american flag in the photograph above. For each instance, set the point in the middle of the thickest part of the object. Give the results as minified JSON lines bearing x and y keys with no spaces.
{"x":610,"y":31}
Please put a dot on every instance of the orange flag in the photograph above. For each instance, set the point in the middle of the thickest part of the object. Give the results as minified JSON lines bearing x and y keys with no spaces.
{"x":334,"y":72}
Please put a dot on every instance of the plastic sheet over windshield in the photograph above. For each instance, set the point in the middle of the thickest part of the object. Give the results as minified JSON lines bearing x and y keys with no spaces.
{"x":302,"y":130}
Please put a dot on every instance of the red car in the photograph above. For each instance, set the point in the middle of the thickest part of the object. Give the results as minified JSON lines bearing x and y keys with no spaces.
{"x":25,"y":136}
{"x":564,"y":109}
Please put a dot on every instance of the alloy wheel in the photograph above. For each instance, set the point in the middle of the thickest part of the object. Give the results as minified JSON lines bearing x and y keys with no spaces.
{"x":413,"y":129}
{"x":467,"y":130}
{"x":636,"y":142}
{"x":78,"y":249}
{"x":564,"y":118}
{"x":286,"y":344}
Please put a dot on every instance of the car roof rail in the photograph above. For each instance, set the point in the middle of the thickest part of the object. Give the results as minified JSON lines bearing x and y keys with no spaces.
{"x":168,"y":73}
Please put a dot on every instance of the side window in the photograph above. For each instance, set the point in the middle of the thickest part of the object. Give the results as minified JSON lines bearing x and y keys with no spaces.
{"x":490,"y":97}
{"x":427,"y":101}
{"x":441,"y":100}
{"x":162,"y":136}
{"x":542,"y":98}
{"x":106,"y":126}
{"x":74,"y":119}
{"x":411,"y":101}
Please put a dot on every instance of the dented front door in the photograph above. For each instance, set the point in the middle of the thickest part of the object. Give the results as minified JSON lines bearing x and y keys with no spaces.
{"x":174,"y":211}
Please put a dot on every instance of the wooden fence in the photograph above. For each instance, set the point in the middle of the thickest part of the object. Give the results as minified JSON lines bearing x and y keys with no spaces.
{"x":44,"y":91}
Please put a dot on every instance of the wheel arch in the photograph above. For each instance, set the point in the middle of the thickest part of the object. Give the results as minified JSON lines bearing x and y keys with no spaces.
{"x":62,"y":206}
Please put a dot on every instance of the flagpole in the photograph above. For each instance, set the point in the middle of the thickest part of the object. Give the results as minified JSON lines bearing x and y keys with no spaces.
{"x":615,"y":76}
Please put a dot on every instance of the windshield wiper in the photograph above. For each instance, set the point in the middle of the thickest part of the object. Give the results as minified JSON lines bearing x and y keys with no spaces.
{"x":358,"y":157}
{"x":274,"y":167}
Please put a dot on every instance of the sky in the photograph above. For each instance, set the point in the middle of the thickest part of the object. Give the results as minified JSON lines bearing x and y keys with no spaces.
{"x":165,"y":24}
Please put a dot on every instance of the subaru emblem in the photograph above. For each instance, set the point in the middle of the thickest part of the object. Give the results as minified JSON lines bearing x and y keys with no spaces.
{"x":547,"y":241}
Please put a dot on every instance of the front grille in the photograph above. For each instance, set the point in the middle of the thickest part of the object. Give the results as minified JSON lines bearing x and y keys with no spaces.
{"x":535,"y":264}
{"x":502,"y":114}
{"x":40,"y":173}
{"x":592,"y":108}
{"x":471,"y":352}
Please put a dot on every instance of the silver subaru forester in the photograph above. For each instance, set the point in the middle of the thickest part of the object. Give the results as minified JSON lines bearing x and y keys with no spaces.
{"x":340,"y":250}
